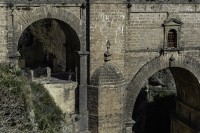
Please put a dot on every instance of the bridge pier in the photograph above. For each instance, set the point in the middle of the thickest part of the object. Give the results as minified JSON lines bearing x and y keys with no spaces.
{"x":83,"y":93}
{"x":83,"y":53}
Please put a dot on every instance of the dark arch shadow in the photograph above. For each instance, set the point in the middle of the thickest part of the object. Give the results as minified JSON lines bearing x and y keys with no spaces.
{"x":40,"y":47}
{"x":153,"y":116}
{"x":52,"y":43}
{"x":147,"y":70}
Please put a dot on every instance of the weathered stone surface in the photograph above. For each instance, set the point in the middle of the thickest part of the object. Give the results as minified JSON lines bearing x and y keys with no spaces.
{"x":137,"y":37}
{"x":64,"y":95}
{"x":106,"y":100}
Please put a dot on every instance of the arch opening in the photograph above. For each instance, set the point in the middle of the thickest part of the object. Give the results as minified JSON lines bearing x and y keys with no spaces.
{"x":50,"y":43}
{"x":168,"y":103}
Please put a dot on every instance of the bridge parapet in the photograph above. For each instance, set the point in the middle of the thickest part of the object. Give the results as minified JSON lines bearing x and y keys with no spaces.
{"x":103,"y":1}
{"x":164,"y":1}
{"x":41,"y":1}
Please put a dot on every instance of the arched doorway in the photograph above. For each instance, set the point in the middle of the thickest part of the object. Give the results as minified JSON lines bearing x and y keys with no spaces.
{"x":158,"y":108}
{"x":169,"y":92}
{"x":154,"y":103}
{"x":50,"y":43}
{"x":25,"y":19}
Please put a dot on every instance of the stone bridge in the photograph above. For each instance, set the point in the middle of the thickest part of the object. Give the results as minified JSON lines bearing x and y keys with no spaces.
{"x":119,"y":44}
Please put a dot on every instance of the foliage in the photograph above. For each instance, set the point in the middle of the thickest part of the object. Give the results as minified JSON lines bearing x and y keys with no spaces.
{"x":13,"y":113}
{"x":47,"y":114}
{"x":18,"y":97}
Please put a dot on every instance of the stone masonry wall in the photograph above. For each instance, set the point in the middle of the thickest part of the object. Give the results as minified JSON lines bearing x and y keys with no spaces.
{"x":136,"y":34}
{"x":20,"y":17}
{"x":63,"y":95}
{"x":107,"y":22}
{"x":106,"y":100}
{"x":18,"y":11}
{"x":4,"y":33}
{"x":145,"y":34}
{"x":185,"y":120}
{"x":111,"y":118}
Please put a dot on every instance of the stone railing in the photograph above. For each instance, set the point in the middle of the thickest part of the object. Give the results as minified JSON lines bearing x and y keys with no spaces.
{"x":39,"y":72}
{"x":41,"y":1}
{"x":68,"y":76}
{"x":164,"y":1}
{"x":81,"y":1}
{"x":45,"y":73}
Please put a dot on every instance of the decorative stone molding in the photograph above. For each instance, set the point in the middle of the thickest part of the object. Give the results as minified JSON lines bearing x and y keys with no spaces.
{"x":171,"y":61}
{"x":129,"y":126}
{"x":107,"y":54}
{"x":169,"y":25}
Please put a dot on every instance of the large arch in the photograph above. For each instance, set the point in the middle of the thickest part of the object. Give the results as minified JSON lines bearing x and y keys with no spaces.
{"x":23,"y":20}
{"x":34,"y":53}
{"x":151,"y":67}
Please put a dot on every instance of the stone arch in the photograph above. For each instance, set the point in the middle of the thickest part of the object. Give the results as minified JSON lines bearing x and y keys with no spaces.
{"x":21,"y":20}
{"x":151,"y":67}
{"x":27,"y":18}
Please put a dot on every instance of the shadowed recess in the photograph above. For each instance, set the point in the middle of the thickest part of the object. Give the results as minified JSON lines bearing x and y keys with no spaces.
{"x":50,"y":43}
{"x":157,"y":101}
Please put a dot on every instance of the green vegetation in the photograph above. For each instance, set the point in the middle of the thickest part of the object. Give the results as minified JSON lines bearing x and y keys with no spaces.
{"x":47,"y":114}
{"x":26,"y":106}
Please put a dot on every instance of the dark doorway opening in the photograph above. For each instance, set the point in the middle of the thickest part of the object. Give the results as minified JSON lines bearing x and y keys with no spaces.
{"x":172,"y":39}
{"x":49,"y":53}
{"x":50,"y":43}
{"x":168,"y":103}
{"x":154,"y":104}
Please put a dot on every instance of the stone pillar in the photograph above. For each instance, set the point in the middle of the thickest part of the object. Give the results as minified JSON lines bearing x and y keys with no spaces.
{"x":106,"y":99}
{"x":12,"y":44}
{"x":129,"y":126}
{"x":83,"y":92}
{"x":83,"y":73}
